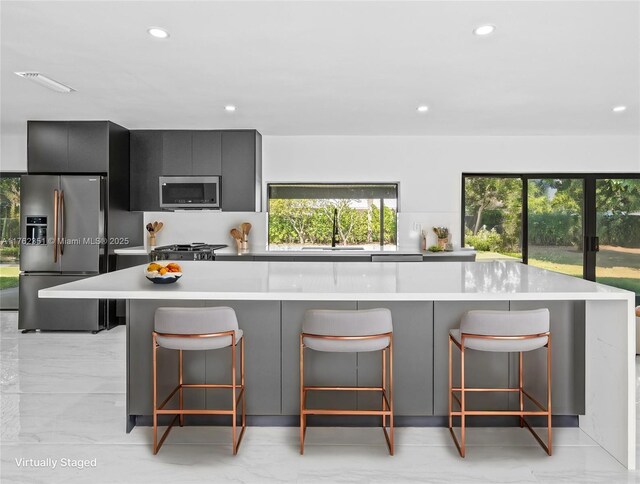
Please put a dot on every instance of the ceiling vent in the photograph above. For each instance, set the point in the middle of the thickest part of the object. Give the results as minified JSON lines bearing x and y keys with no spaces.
{"x":45,"y":81}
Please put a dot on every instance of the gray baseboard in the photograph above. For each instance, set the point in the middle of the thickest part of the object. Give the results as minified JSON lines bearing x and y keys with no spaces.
{"x":351,"y":421}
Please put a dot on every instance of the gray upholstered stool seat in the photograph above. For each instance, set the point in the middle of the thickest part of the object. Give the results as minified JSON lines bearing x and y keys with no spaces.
{"x":500,"y":331}
{"x":503,"y":323}
{"x":347,"y":323}
{"x":195,"y":321}
{"x":349,"y":331}
{"x":192,"y":329}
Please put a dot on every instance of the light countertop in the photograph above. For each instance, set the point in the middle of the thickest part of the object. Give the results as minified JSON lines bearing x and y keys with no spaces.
{"x":384,"y":281}
{"x":141,"y":250}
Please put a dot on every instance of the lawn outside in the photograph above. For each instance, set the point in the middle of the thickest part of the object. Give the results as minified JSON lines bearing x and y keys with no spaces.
{"x":616,"y":266}
{"x":9,"y":276}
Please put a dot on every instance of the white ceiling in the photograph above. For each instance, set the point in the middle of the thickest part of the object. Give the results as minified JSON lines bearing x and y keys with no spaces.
{"x":346,"y":68}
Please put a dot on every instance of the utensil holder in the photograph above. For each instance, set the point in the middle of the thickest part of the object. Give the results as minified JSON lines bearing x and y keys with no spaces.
{"x":442,"y":243}
{"x":152,"y":240}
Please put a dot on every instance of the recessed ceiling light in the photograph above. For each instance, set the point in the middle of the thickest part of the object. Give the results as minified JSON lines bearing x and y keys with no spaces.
{"x":619,"y":109}
{"x":423,"y":109}
{"x":45,"y":81}
{"x":484,"y":29}
{"x":230,"y":108}
{"x":158,"y":33}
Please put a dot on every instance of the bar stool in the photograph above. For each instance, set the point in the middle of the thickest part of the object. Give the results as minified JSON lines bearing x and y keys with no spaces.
{"x":349,"y":331}
{"x":500,"y":331}
{"x":198,"y":329}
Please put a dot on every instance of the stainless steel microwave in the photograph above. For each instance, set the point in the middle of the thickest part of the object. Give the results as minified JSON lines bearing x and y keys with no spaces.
{"x":189,"y":192}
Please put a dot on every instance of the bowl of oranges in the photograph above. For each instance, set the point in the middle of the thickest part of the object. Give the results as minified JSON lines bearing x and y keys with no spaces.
{"x":163,"y":274}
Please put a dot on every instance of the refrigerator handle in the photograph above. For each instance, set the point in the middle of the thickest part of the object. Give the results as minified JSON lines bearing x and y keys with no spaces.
{"x":55,"y":226}
{"x":61,"y":215}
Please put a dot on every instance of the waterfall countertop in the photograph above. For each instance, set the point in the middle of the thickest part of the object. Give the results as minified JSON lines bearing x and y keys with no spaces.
{"x":335,"y":281}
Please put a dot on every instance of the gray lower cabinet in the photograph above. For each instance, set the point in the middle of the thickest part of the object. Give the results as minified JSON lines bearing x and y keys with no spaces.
{"x":412,"y":359}
{"x":123,"y":262}
{"x":567,"y":358}
{"x":321,"y":368}
{"x":483,"y":369}
{"x":260,"y":321}
{"x":234,"y":258}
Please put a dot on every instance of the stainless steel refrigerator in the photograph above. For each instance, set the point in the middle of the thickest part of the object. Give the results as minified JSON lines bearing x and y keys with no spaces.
{"x":63,"y":229}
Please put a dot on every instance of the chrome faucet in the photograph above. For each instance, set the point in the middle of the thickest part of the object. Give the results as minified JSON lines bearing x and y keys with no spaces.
{"x":335,"y":234}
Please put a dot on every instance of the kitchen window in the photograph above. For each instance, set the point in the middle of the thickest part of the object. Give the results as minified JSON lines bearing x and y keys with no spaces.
{"x":340,"y":215}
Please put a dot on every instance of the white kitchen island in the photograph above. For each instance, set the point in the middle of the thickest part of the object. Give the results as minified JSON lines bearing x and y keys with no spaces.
{"x":593,"y":327}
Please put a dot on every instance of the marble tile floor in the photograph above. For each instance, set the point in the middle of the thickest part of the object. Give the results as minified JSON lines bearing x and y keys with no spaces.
{"x":62,"y":397}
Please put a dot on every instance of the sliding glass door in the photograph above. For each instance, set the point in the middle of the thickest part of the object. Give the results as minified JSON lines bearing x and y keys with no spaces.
{"x":555,"y":227}
{"x":617,"y":250}
{"x":583,"y":225}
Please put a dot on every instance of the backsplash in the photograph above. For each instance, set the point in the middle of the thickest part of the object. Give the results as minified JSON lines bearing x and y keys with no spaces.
{"x":213,"y":227}
{"x":206,"y":226}
{"x":409,"y":238}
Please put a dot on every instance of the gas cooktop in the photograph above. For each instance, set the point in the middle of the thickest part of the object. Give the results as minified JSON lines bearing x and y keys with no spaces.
{"x":193,"y":251}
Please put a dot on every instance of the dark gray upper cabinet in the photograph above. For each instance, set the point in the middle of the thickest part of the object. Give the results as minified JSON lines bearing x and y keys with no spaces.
{"x":47,"y":147}
{"x":241,"y":171}
{"x":68,"y":146}
{"x":206,"y":148}
{"x":235,"y":155}
{"x":88,"y":147}
{"x":176,"y":153}
{"x":146,"y":167}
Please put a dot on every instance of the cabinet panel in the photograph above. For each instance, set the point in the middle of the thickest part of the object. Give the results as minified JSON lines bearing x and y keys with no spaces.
{"x":234,"y":258}
{"x":88,"y":147}
{"x":123,"y":262}
{"x":238,"y":171}
{"x":482,"y":368}
{"x":47,"y":147}
{"x":139,"y":363}
{"x":412,"y":359}
{"x":207,"y":153}
{"x":146,"y":167}
{"x":321,"y":368}
{"x":567,"y":358}
{"x":176,"y":153}
{"x":260,"y":323}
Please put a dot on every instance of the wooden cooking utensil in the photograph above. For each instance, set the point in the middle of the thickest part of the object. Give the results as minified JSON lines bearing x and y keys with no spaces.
{"x":246,"y":228}
{"x":235,"y":233}
{"x":158,"y":228}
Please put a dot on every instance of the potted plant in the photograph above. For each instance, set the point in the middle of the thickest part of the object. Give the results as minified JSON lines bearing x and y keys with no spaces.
{"x":443,"y":236}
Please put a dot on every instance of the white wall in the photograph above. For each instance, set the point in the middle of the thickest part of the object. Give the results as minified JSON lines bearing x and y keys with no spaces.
{"x":428,"y":168}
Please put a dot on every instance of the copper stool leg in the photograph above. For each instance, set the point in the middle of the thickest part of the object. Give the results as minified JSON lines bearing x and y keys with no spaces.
{"x":181,"y":395}
{"x":521,"y":413}
{"x":520,"y":388}
{"x":303,"y":417}
{"x":238,"y":392}
{"x":155,"y":397}
{"x":387,"y":396}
